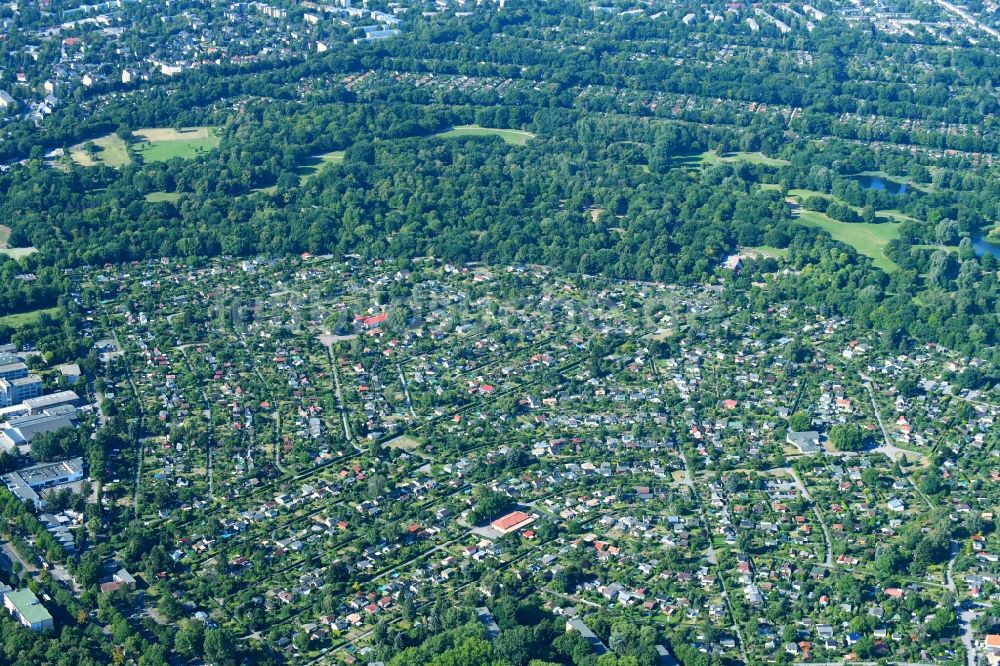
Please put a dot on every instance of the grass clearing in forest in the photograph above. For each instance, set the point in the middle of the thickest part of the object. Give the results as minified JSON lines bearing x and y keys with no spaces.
{"x":765,"y":251}
{"x":110,"y":151}
{"x":513,"y":137}
{"x":317,"y":163}
{"x":12,"y":252}
{"x":159,"y":144}
{"x":694,"y":161}
{"x":801,"y":195}
{"x":711,"y":157}
{"x":154,"y":197}
{"x":684,"y":162}
{"x":154,"y":134}
{"x":22,"y":318}
{"x":868,"y":239}
{"x":17,"y":252}
{"x":896,"y":216}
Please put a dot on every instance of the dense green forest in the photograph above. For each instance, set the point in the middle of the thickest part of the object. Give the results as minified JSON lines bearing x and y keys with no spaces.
{"x":605,"y":187}
{"x":591,"y":193}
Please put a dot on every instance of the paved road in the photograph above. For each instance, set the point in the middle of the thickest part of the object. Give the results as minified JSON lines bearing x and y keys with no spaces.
{"x":948,"y":580}
{"x":873,"y":663}
{"x":15,"y":556}
{"x":397,"y":567}
{"x":138,"y":403}
{"x":965,"y":619}
{"x":208,"y":409}
{"x":60,"y":573}
{"x":892,"y":451}
{"x":328,"y":657}
{"x":887,"y":448}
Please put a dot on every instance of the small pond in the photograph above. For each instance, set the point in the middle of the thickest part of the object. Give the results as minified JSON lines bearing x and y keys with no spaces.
{"x":982,"y":245}
{"x":881,"y":184}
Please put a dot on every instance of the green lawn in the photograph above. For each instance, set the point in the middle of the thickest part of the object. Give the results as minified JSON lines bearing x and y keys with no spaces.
{"x":110,"y":152}
{"x":17,"y":252}
{"x":155,"y":144}
{"x":12,"y":252}
{"x":895,"y":215}
{"x":946,"y":248}
{"x":767,"y":251}
{"x":316,"y":163}
{"x":685,"y":162}
{"x":154,"y":197}
{"x":160,"y":145}
{"x":22,"y":318}
{"x":867,"y":239}
{"x":801,"y":194}
{"x":712,"y":157}
{"x":307,"y":169}
{"x":513,"y":137}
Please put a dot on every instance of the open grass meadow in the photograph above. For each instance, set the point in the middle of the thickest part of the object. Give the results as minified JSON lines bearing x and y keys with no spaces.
{"x":162,"y":144}
{"x":21,"y":318}
{"x":154,"y":197}
{"x":317,"y":163}
{"x":12,"y":252}
{"x":155,"y":144}
{"x":17,"y":252}
{"x":110,"y":151}
{"x":868,"y":239}
{"x":513,"y":137}
{"x":694,"y":161}
{"x":710,"y":157}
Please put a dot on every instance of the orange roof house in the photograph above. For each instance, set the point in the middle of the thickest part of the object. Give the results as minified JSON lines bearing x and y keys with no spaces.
{"x":512,"y":522}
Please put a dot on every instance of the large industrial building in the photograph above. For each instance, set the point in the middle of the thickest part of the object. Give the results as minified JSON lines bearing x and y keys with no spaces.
{"x":21,"y":430}
{"x":25,"y":483}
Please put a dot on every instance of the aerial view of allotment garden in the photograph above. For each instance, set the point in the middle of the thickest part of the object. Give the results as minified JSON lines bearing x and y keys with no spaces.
{"x":499,"y":333}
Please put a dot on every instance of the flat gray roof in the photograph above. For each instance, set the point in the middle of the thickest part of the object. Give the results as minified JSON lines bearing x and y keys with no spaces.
{"x":6,"y":358}
{"x":19,"y":488}
{"x":34,"y":419}
{"x":37,"y":475}
{"x":57,"y":398}
{"x":579,"y":625}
